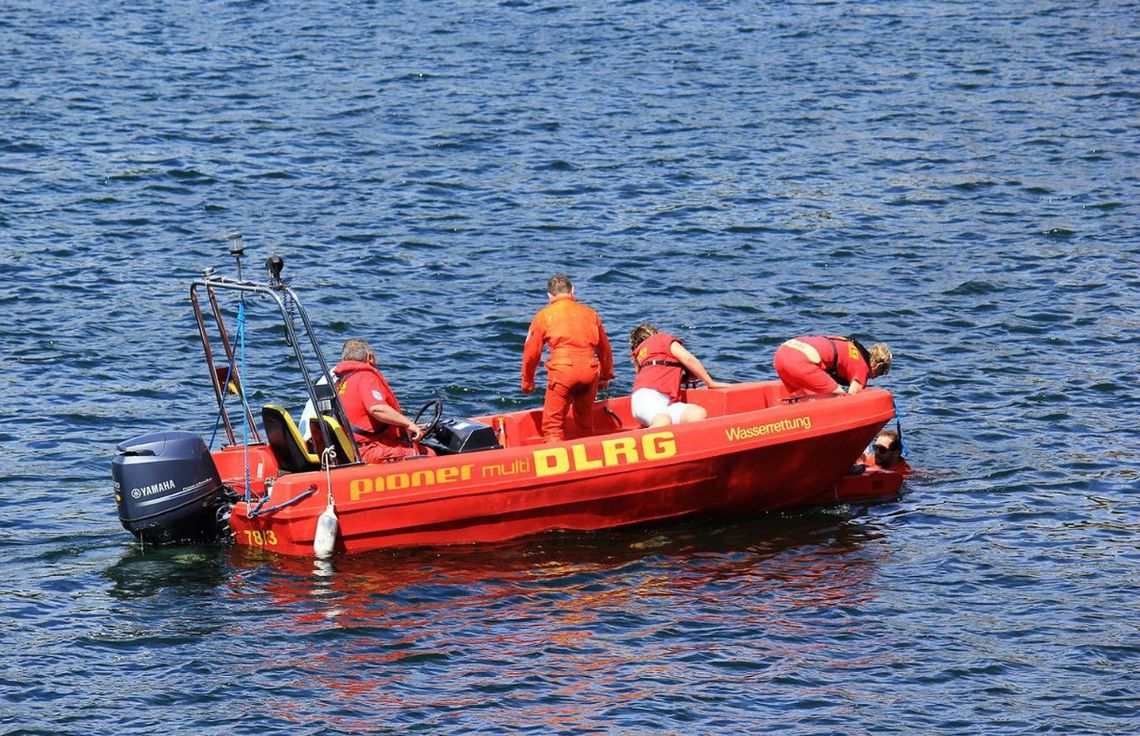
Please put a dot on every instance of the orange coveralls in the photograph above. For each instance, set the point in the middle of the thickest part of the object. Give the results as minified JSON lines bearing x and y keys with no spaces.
{"x":580,"y":357}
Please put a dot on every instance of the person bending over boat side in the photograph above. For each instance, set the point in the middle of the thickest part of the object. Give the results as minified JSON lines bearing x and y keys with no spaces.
{"x":580,"y":364}
{"x":818,"y":364}
{"x":886,"y":453}
{"x":661,"y":362}
{"x":380,"y":428}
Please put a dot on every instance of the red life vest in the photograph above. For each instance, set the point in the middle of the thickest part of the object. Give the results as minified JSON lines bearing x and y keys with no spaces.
{"x":360,"y":385}
{"x":658,"y":369}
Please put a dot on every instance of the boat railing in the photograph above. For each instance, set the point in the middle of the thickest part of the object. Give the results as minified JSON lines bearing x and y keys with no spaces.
{"x":290,"y":308}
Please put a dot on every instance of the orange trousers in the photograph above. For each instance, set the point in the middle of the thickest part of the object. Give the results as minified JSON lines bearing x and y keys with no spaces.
{"x":800,"y":374}
{"x":569,"y":389}
{"x":375,"y":452}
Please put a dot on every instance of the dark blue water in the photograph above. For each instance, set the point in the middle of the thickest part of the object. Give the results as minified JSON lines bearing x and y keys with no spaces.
{"x":959,"y":179}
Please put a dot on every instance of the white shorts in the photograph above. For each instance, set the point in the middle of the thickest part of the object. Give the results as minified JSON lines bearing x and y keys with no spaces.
{"x":647,"y":403}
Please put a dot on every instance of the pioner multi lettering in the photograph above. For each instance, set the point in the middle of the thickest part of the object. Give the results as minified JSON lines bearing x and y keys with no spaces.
{"x":544,"y":461}
{"x":414,"y":479}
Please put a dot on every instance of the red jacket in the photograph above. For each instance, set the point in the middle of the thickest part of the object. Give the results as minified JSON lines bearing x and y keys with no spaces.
{"x":576,"y":338}
{"x":359,"y":386}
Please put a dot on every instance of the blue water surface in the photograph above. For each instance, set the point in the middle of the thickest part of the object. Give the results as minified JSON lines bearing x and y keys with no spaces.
{"x":958,"y":179}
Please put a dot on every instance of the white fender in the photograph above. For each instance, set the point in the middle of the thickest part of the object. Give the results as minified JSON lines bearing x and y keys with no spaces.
{"x":324,"y":541}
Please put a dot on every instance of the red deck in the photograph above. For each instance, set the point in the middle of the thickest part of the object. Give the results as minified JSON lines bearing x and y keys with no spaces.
{"x":756,"y":452}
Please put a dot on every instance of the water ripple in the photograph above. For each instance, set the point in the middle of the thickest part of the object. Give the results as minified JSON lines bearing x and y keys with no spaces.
{"x":956,"y":180}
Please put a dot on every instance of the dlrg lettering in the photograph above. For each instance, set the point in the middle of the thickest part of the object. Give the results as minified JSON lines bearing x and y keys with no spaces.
{"x":611,"y":452}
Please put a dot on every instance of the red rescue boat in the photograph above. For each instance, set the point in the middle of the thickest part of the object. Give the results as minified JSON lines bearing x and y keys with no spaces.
{"x":493,"y":478}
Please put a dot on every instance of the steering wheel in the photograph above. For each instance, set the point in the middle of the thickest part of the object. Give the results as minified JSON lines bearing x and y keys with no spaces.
{"x":433,"y":425}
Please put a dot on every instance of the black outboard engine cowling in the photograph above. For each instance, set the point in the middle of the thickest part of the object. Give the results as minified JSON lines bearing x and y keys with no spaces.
{"x":168,"y":489}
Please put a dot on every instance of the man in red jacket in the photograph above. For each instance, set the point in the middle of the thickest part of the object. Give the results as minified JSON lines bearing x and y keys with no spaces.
{"x":378,"y":424}
{"x":580,"y":363}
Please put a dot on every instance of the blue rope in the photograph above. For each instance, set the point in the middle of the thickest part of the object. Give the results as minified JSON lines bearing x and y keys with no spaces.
{"x":258,"y":512}
{"x":257,"y":509}
{"x":898,"y":426}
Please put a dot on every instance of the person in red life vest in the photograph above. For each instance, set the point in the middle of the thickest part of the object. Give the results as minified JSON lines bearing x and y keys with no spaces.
{"x":886,"y":453}
{"x":378,"y":425}
{"x":818,"y":365}
{"x":580,"y":363}
{"x":662,"y":362}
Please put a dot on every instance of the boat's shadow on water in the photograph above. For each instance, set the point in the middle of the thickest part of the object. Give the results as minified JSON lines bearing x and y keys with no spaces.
{"x":143,"y":572}
{"x":770,"y":549}
{"x":811,"y":554}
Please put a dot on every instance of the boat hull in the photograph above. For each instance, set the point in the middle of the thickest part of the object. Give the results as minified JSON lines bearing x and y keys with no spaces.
{"x":757,"y":452}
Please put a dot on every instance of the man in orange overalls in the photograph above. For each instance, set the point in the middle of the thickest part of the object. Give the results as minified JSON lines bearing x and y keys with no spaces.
{"x":580,"y":362}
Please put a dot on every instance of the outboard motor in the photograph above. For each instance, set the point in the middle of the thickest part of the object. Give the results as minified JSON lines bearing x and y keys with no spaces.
{"x":168,"y":489}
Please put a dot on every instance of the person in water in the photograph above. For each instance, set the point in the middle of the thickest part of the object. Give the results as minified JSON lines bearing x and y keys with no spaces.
{"x":662,"y":362}
{"x":378,"y":424}
{"x":818,"y":364}
{"x":580,"y":364}
{"x":886,"y":453}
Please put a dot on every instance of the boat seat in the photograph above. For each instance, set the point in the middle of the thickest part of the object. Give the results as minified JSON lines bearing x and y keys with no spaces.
{"x":345,"y":454}
{"x":285,"y":440}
